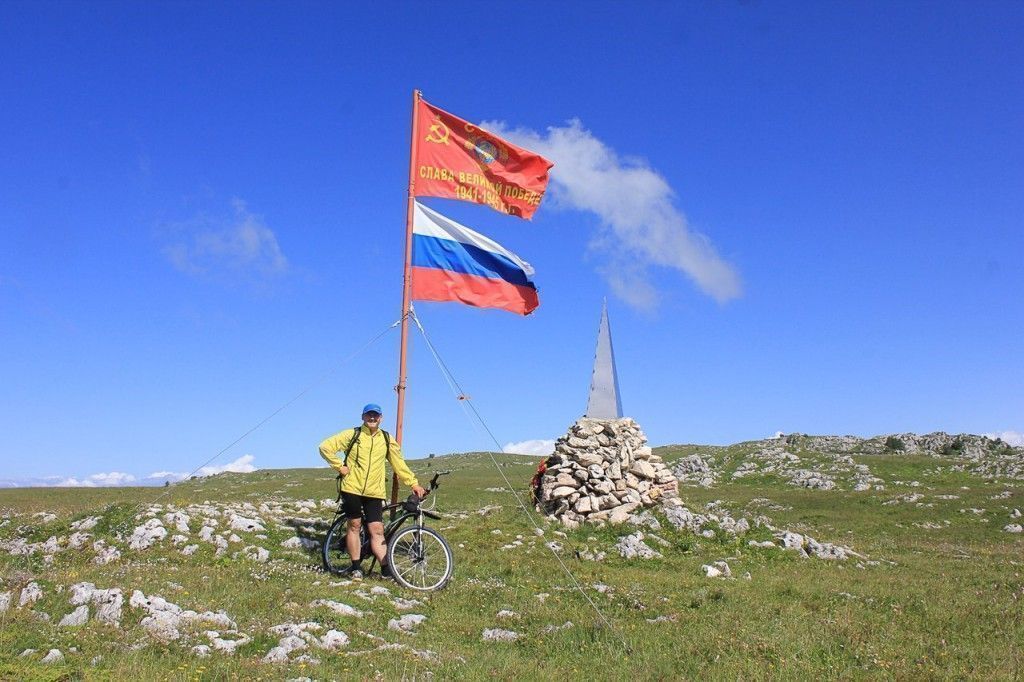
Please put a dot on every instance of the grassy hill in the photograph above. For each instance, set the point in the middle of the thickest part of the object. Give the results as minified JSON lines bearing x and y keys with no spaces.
{"x":936,"y":592}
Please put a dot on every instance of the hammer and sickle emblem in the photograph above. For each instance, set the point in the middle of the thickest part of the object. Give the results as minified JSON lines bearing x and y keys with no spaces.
{"x":438,"y":132}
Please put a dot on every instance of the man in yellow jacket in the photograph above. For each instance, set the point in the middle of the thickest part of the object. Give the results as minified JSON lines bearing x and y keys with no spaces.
{"x":364,"y":486}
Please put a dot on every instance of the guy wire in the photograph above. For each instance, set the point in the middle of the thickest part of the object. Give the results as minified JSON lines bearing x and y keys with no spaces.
{"x":280,"y":409}
{"x":461,"y":397}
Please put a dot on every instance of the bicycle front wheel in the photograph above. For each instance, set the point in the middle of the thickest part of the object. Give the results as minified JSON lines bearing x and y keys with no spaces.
{"x":420,"y":559}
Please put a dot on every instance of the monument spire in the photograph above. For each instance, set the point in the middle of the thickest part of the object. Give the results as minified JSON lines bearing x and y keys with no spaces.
{"x":604,"y":402}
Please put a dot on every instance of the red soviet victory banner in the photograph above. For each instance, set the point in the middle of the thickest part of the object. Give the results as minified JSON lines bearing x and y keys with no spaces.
{"x":457,"y":160}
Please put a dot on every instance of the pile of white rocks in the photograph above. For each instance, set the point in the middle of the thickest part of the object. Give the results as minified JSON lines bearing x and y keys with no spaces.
{"x":602,"y":471}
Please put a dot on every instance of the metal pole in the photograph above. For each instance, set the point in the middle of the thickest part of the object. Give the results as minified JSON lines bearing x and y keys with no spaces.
{"x":406,"y":287}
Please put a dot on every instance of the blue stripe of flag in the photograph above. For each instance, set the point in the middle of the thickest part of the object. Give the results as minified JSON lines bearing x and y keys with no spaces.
{"x":432,"y":252}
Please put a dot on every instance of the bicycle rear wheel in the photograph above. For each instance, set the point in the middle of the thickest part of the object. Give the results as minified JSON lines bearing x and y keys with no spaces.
{"x":335,"y":551}
{"x":420,"y":559}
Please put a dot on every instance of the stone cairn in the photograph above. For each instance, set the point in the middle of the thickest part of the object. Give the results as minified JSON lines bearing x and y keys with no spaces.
{"x":602,"y":471}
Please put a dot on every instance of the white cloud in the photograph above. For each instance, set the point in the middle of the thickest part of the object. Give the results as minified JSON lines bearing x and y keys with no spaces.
{"x":641,"y":225}
{"x":166,"y":476}
{"x":111,"y":479}
{"x":73,"y":483}
{"x":240,"y":242}
{"x":241,"y":465}
{"x":537,"y":448}
{"x":1014,"y":438}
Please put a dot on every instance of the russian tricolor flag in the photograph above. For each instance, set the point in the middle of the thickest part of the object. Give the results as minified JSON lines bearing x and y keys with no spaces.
{"x":451,"y":262}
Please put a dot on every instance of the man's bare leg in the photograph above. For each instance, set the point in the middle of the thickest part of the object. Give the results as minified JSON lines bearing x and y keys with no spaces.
{"x":377,"y":542}
{"x":352,"y":542}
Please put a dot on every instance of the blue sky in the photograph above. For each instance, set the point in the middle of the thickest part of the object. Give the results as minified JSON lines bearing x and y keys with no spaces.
{"x":805,"y":217}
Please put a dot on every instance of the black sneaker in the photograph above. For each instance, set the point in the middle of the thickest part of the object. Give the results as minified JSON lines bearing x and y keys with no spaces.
{"x":385,"y":572}
{"x":352,"y":573}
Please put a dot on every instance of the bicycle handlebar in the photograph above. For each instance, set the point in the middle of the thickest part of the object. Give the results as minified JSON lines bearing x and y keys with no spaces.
{"x":433,"y":482}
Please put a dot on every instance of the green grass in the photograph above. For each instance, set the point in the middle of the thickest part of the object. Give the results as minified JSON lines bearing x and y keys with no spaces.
{"x":941,"y":602}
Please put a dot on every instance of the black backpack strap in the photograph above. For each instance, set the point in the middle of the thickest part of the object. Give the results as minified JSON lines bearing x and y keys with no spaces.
{"x":387,"y":443}
{"x":355,"y":437}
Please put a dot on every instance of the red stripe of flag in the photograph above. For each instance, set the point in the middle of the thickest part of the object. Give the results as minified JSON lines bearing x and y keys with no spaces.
{"x":457,"y":160}
{"x":433,"y":284}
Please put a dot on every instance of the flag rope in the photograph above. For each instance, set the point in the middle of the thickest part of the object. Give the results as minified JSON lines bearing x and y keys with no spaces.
{"x":464,"y":399}
{"x":330,"y":372}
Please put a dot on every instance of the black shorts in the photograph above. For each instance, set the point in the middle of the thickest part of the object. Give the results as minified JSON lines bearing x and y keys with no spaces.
{"x":358,"y":506}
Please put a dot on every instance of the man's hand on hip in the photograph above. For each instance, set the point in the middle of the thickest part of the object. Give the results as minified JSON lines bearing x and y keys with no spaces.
{"x":343,"y":470}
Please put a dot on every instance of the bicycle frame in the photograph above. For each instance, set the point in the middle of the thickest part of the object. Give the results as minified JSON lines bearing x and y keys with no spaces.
{"x":391,"y":527}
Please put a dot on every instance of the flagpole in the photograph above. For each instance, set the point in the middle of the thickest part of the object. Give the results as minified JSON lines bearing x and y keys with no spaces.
{"x":406,"y":287}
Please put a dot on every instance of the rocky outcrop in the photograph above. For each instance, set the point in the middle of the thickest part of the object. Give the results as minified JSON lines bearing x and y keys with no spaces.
{"x":695,"y":470}
{"x":602,"y":471}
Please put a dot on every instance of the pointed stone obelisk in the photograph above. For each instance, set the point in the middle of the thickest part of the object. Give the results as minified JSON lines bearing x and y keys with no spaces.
{"x":604,"y":402}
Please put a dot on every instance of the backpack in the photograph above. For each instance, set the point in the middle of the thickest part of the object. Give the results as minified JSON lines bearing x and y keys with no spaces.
{"x":355,"y":437}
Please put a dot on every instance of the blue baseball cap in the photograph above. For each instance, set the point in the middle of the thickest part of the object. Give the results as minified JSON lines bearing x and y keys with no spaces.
{"x":372,"y":407}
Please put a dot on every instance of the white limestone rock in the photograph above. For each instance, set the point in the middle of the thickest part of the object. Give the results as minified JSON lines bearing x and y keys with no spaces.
{"x":105,"y":554}
{"x":245,"y":524}
{"x":165,"y":617}
{"x":78,"y":540}
{"x":333,"y":640}
{"x":285,"y":646}
{"x":717,"y":569}
{"x":76,"y":618}
{"x":339,"y":608}
{"x":301,"y":543}
{"x":86,"y":523}
{"x":257,"y":554}
{"x":633,"y":547}
{"x":30,"y":594}
{"x":224,"y":645}
{"x":148,"y":533}
{"x":499,"y":635}
{"x":53,"y":656}
{"x":695,"y":470}
{"x":621,"y":513}
{"x":402,"y":604}
{"x":108,"y":605}
{"x":179,"y":520}
{"x":406,"y":623}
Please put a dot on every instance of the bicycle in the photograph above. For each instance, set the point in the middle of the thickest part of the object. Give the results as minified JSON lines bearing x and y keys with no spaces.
{"x":419,"y":557}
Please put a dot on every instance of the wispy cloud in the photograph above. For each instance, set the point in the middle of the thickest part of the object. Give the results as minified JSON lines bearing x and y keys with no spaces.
{"x":238,"y":243}
{"x":641,"y":226}
{"x":537,"y":448}
{"x":1014,"y":438}
{"x":243,"y":464}
{"x":102,"y":480}
{"x":172,"y":476}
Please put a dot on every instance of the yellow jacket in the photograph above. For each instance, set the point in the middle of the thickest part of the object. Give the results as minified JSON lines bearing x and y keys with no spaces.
{"x":365,"y":462}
